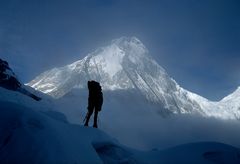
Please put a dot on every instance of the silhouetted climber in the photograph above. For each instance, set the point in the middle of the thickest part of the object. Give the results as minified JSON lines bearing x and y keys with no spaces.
{"x":9,"y":80}
{"x":95,"y":101}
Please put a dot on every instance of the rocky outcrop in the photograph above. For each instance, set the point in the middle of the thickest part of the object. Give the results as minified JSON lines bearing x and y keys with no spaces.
{"x":8,"y":80}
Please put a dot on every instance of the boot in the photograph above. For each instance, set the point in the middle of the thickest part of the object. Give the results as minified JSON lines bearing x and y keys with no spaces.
{"x":86,"y":123}
{"x":95,"y":119}
{"x":95,"y":126}
{"x":88,"y":118}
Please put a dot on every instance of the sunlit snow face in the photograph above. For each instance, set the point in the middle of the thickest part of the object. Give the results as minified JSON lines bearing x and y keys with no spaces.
{"x":125,"y":64}
{"x":110,"y":59}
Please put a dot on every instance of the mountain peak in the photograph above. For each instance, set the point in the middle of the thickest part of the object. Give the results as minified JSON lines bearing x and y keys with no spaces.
{"x":127,"y":40}
{"x":109,"y":59}
{"x":235,"y":95}
{"x":125,"y":64}
{"x":132,"y":45}
{"x":117,"y":66}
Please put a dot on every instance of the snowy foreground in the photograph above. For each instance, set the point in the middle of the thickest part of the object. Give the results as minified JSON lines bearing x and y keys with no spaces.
{"x":31,"y":132}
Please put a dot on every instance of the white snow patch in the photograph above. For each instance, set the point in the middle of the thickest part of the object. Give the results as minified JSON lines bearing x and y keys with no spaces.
{"x":111,"y":58}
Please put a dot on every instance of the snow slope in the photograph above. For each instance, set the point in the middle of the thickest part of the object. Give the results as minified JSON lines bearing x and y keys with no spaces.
{"x":194,"y":153}
{"x":30,"y":136}
{"x":124,"y":65}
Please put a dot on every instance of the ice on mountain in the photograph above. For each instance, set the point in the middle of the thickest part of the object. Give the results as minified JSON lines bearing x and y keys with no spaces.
{"x":126,"y":64}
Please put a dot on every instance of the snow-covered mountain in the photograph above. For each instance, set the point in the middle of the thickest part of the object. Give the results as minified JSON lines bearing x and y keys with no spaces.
{"x":37,"y":131}
{"x":124,"y":65}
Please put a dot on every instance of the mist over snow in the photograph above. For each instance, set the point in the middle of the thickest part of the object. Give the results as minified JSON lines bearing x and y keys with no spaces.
{"x":30,"y":134}
{"x":135,"y":122}
{"x":144,"y":107}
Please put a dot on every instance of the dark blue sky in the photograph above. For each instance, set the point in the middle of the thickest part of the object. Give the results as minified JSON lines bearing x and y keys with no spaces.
{"x":196,"y":41}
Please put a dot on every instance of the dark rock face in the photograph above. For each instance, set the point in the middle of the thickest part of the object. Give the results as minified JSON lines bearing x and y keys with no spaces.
{"x":9,"y":80}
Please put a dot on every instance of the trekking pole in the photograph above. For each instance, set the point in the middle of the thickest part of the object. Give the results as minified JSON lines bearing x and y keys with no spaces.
{"x":85,"y":117}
